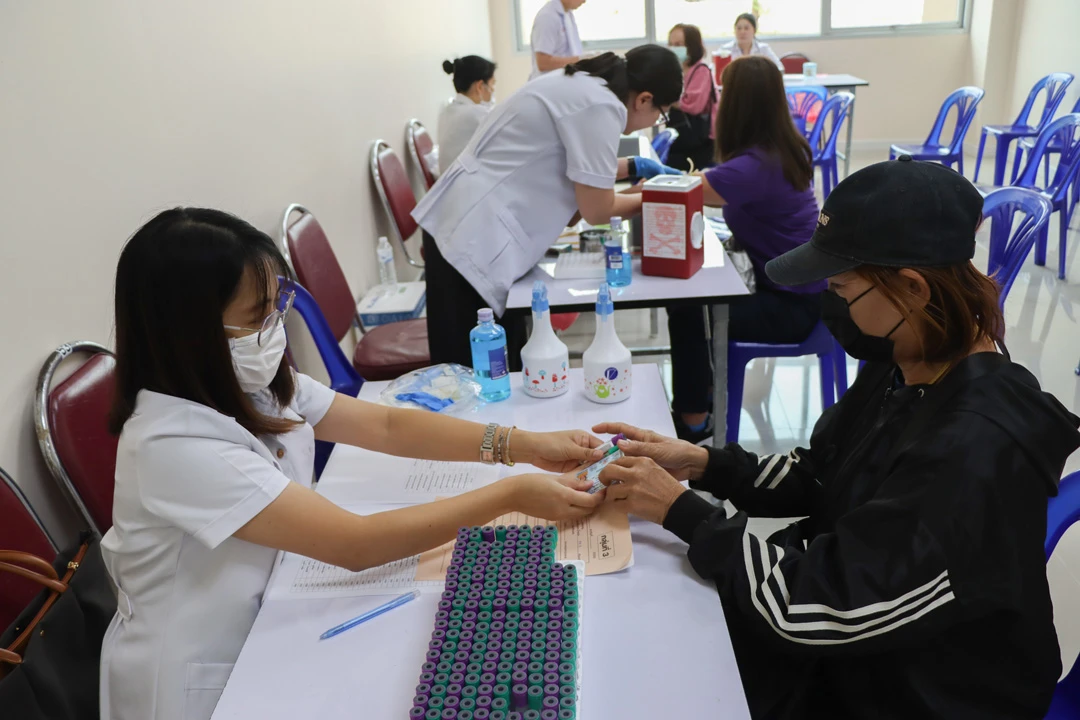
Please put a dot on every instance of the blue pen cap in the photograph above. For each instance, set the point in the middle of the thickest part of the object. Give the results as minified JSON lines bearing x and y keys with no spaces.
{"x":604,"y":305}
{"x":540,"y":297}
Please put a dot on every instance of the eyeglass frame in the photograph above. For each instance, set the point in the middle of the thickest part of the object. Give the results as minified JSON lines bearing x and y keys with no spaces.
{"x":272,"y":321}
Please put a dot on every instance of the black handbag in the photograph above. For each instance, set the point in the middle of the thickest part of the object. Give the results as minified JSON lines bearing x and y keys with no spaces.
{"x":50,"y":656}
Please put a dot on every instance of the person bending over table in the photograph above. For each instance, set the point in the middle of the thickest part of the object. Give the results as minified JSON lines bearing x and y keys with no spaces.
{"x":547,"y":154}
{"x":915,"y":587}
{"x":763,"y":183}
{"x":215,"y":460}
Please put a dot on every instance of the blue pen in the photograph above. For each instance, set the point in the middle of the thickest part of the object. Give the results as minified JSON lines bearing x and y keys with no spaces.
{"x":349,"y":624}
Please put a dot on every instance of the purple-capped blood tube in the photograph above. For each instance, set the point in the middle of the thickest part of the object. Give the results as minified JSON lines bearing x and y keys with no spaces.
{"x":435,"y":645}
{"x":449,"y":713}
{"x":551,"y":679}
{"x":553,"y":646}
{"x":483,"y":701}
{"x":491,"y":666}
{"x":429,"y":667}
{"x":423,"y":688}
{"x":519,"y":696}
{"x":417,"y":712}
{"x":550,"y":665}
{"x":519,"y":677}
{"x":456,"y":679}
{"x":451,"y":699}
{"x":549,"y":714}
{"x":458,"y":667}
{"x":522,"y":656}
{"x":491,"y":656}
{"x":420,"y":701}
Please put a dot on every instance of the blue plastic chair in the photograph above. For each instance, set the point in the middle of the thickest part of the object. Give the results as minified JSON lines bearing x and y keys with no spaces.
{"x":1061,"y":512}
{"x":831,"y":357}
{"x":661,"y":144}
{"x":343,"y":377}
{"x":1066,"y":131}
{"x":1009,"y":246}
{"x":1054,"y":84}
{"x":833,"y":114}
{"x":1025,"y":144}
{"x":802,"y":101}
{"x":966,"y":100}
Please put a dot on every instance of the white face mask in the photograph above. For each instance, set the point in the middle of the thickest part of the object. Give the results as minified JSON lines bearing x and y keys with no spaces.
{"x":256,"y":366}
{"x":680,"y":52}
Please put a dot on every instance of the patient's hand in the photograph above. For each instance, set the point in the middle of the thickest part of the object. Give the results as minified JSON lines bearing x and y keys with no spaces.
{"x":683,"y":460}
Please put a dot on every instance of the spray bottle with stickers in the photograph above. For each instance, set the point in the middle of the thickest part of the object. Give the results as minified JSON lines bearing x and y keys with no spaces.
{"x":607,"y":361}
{"x":545,"y":360}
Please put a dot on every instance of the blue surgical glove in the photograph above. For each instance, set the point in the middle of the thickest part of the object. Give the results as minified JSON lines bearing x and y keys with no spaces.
{"x":646,"y":168}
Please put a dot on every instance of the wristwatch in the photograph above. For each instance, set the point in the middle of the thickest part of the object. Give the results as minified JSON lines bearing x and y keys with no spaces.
{"x":487,"y":447}
{"x":631,"y":167}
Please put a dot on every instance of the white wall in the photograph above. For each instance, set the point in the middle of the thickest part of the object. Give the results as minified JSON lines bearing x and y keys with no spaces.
{"x":116,"y":109}
{"x":1045,"y":42}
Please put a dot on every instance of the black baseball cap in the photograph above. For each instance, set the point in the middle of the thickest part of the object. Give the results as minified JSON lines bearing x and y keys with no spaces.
{"x":897,"y":213}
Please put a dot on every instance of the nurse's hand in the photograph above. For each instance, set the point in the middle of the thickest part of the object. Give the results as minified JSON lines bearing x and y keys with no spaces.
{"x":648,"y":168}
{"x":553,"y":497}
{"x":556,"y":452}
{"x":683,"y":460}
{"x":641,"y":487}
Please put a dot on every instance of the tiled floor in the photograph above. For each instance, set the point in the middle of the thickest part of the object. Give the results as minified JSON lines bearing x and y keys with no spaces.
{"x":782,"y":401}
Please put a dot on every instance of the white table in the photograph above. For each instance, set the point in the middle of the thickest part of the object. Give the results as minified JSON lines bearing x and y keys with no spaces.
{"x":655,"y":644}
{"x":715,"y":284}
{"x":833,"y":82}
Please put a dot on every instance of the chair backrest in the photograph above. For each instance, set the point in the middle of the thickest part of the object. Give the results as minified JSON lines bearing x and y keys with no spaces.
{"x":72,"y":429}
{"x":343,"y":376}
{"x":1065,"y":131}
{"x":1010,"y":242}
{"x":833,"y":113}
{"x":1054,"y":85}
{"x":309,"y":254}
{"x":392,"y":184}
{"x":793,"y":62}
{"x":1062,"y":512}
{"x":662,"y":143}
{"x":20,"y":529}
{"x":966,"y":100}
{"x":422,"y":151}
{"x":805,"y":104}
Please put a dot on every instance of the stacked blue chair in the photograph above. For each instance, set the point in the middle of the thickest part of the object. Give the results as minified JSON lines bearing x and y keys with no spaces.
{"x":1009,"y":250}
{"x":661,"y":144}
{"x":1062,"y":512}
{"x":1026,"y":144}
{"x":805,"y":104}
{"x":1054,"y":85}
{"x":343,"y":377}
{"x":831,"y":358}
{"x":832,"y":116}
{"x":966,"y":100}
{"x":1065,"y":131}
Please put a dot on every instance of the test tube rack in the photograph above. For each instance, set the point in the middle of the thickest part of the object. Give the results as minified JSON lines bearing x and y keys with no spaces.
{"x":505,"y":643}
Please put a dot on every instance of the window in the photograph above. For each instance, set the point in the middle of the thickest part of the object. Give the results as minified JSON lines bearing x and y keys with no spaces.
{"x":623,"y":23}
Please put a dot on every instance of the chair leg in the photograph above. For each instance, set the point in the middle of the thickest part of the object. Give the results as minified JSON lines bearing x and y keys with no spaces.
{"x":1046,"y":170}
{"x":736,"y":374}
{"x":828,"y":381}
{"x":978,"y":158}
{"x":1063,"y":233}
{"x":826,"y":179}
{"x":835,"y":173}
{"x":1016,"y":163}
{"x":1040,"y":247}
{"x":1001,"y":160}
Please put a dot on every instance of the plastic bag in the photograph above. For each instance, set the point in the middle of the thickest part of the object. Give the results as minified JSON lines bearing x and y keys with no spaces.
{"x":446,"y":388}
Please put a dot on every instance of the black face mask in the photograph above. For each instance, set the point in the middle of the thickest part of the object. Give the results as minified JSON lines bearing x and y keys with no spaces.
{"x":836,"y":314}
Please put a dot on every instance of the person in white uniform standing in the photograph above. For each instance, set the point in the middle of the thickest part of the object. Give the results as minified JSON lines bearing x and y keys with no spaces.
{"x":542,"y":157}
{"x":474,"y":81}
{"x":215,"y":460}
{"x":555,"y":41}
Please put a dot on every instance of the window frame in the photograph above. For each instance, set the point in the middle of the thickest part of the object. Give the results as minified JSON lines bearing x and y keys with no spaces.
{"x":961,"y":25}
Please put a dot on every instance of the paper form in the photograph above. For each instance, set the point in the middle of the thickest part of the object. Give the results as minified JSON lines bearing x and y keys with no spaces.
{"x":386,"y":479}
{"x":600,"y":541}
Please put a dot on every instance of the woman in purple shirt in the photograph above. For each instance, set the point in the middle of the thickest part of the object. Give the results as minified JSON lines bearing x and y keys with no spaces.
{"x":763,"y":183}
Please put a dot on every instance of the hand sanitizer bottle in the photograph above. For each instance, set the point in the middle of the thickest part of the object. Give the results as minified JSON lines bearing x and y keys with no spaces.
{"x":607,"y":361}
{"x":617,"y":255}
{"x":545,"y":360}
{"x":490,"y":366}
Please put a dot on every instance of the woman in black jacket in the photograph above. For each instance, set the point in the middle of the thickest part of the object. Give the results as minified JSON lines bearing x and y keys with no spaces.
{"x":915,"y":587}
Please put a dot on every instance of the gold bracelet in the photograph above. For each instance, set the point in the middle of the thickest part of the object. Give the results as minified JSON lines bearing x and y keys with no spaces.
{"x":499,"y":445}
{"x":506,"y":454}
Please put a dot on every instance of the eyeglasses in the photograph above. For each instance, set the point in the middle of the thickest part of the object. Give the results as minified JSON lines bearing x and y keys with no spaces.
{"x":663,"y":119}
{"x":274,"y":320}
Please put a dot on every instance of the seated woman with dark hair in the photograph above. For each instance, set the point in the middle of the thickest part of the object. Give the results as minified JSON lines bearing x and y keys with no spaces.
{"x":915,"y":586}
{"x":763,"y":185}
{"x":215,"y":459}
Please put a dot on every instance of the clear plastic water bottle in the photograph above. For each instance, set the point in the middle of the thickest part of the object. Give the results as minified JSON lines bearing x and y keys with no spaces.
{"x":387,"y":271}
{"x":489,"y":357}
{"x":617,"y":255}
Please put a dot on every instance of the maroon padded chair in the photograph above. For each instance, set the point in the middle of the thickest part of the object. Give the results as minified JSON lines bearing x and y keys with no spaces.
{"x":72,"y":429}
{"x":421,"y":149}
{"x":384,"y":352}
{"x":21,"y":530}
{"x":396,"y":193}
{"x":793,"y":63}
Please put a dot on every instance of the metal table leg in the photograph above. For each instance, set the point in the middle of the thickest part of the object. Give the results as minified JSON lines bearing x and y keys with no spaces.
{"x":850,"y":125}
{"x":720,"y":370}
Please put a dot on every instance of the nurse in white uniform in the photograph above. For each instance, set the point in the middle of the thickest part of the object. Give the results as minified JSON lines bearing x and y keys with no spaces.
{"x":474,"y":81}
{"x":555,"y":41}
{"x":214,"y":464}
{"x":541,"y":157}
{"x":746,"y":42}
